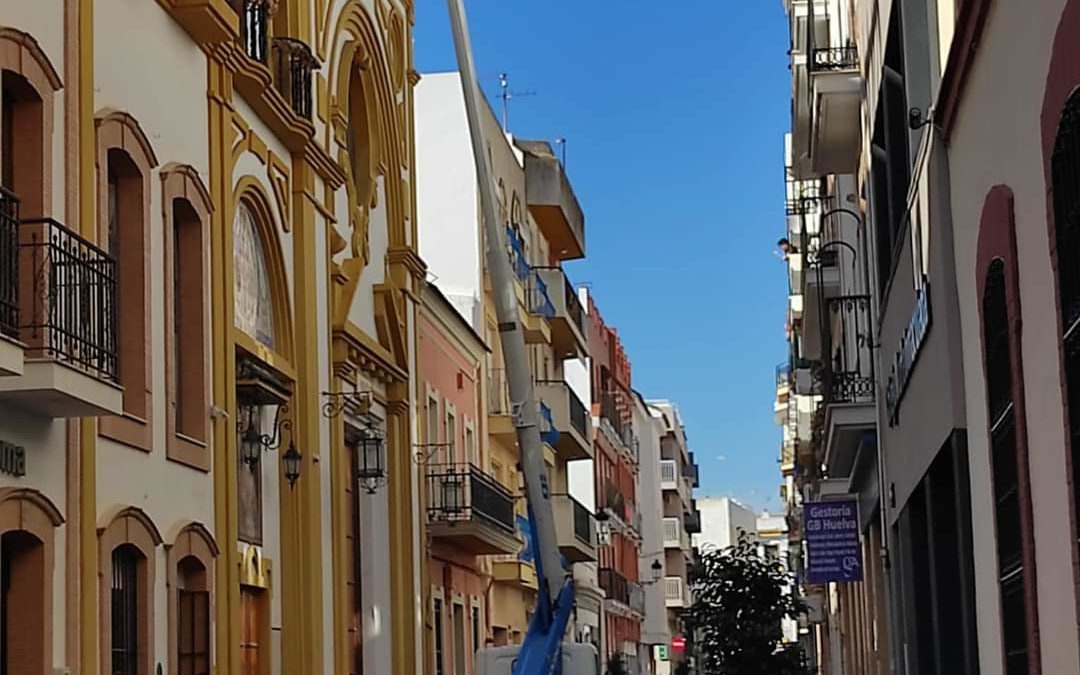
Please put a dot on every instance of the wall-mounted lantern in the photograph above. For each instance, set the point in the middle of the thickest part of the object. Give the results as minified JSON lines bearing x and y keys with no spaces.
{"x":291,"y":460}
{"x":370,"y":467}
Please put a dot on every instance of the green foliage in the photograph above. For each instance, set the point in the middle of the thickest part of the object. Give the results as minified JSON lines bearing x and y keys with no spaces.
{"x":739,"y":601}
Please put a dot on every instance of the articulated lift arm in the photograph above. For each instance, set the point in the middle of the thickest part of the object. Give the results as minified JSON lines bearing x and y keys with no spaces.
{"x":541,"y":652}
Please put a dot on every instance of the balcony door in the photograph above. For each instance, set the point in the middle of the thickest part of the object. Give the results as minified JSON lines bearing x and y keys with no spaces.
{"x":22,"y":606}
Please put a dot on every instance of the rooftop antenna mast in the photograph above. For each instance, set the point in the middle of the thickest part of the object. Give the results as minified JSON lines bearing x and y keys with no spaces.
{"x":506,"y":95}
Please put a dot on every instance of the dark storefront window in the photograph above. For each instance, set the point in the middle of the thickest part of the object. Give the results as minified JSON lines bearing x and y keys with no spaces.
{"x":1065,"y":168}
{"x":1006,"y":474}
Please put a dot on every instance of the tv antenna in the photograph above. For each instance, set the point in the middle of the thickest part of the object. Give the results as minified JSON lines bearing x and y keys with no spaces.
{"x":505,"y":94}
{"x":561,"y":142}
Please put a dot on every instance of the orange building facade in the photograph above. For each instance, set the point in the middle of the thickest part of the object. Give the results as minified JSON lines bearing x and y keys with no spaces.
{"x":616,"y":476}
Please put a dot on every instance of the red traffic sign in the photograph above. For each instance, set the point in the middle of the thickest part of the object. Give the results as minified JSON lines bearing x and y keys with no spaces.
{"x":678,"y":644}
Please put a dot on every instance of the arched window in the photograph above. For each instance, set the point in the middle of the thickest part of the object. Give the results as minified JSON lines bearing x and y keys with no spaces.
{"x":125,"y":161}
{"x":125,"y":610}
{"x":192,"y":618}
{"x":1006,"y":471}
{"x":127,"y":570}
{"x":186,"y":209}
{"x":253,"y":301}
{"x":1065,"y":176}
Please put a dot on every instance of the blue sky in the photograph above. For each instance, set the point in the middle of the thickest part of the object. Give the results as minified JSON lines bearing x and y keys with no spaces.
{"x":674,"y":118}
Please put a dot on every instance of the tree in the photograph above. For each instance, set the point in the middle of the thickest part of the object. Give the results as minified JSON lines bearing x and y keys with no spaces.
{"x":739,"y":602}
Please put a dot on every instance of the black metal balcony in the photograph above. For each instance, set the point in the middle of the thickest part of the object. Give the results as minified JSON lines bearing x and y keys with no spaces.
{"x":573,"y":305}
{"x":67,"y":298}
{"x":835,"y":58}
{"x":614,"y":500}
{"x":847,"y":335}
{"x":293,"y":65}
{"x":464,"y":493}
{"x":9,"y":264}
{"x":615,"y":585}
{"x":692,"y":518}
{"x":254,"y":21}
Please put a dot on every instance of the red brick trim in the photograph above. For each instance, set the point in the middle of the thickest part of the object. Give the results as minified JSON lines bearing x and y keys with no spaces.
{"x":970,"y":20}
{"x":997,"y":241}
{"x":1062,"y":79}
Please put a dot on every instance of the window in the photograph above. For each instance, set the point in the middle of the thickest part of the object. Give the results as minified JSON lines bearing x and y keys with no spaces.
{"x":252,"y":301}
{"x":1006,"y":475}
{"x":470,"y":444}
{"x":433,"y":420}
{"x":22,"y":604}
{"x":251,"y":630}
{"x":7,"y":138}
{"x":437,"y":626}
{"x":187,"y":320}
{"x":193,"y":619}
{"x":476,"y":643}
{"x":459,"y":640}
{"x":125,"y":614}
{"x":451,"y":437}
{"x":125,"y":240}
{"x":23,"y":161}
{"x":1065,"y":165}
{"x":890,"y":173}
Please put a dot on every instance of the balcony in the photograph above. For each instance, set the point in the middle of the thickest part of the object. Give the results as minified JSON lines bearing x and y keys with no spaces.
{"x":539,"y":310}
{"x":551,"y":200}
{"x":621,"y":591}
{"x":66,"y":318}
{"x":847,"y":382}
{"x":500,"y":415}
{"x":692,"y":518}
{"x":675,"y":534}
{"x":274,"y":75}
{"x":676,"y":593}
{"x":470,"y":509}
{"x":613,"y":414}
{"x":511,"y":570}
{"x":207,"y":21}
{"x":669,"y":475}
{"x":568,"y":321}
{"x":570,"y":417}
{"x":575,"y":528}
{"x":615,"y":502}
{"x":690,"y":472}
{"x":293,"y":64}
{"x":836,"y":91}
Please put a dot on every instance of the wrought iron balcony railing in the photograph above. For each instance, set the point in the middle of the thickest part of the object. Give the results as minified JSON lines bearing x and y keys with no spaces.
{"x":610,"y":412}
{"x":465,"y":493}
{"x":9,"y":264}
{"x":254,"y":22}
{"x":67,"y":298}
{"x":847,"y":336}
{"x":835,"y":58}
{"x":293,"y":65}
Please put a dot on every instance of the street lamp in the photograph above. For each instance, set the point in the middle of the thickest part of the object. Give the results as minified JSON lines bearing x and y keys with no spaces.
{"x":253,"y":442}
{"x":291,"y":460}
{"x":369,"y":466}
{"x":657,"y":569}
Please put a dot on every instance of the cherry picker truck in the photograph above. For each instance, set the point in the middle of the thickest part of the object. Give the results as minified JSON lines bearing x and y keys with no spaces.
{"x":543,"y":651}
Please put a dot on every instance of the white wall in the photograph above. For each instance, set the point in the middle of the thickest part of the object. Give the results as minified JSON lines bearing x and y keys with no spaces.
{"x":721,"y":520}
{"x":446,"y":194}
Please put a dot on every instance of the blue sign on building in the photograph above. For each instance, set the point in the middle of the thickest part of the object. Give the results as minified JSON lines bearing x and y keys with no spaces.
{"x":833,"y":549}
